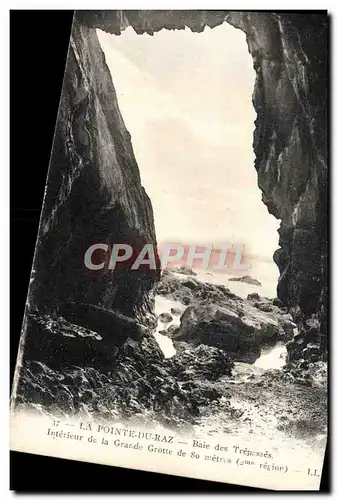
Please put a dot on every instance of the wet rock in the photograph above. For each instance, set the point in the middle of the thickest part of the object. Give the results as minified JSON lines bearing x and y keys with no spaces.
{"x":183,"y":270}
{"x":176,"y":311}
{"x":212,"y":293}
{"x":246,"y":279}
{"x":107,"y":322}
{"x":311,"y":352}
{"x":253,"y":297}
{"x":278,"y":303}
{"x":266,"y":326}
{"x":165,"y":317}
{"x":219,"y":327}
{"x":185,"y":299}
{"x":131,"y":379}
{"x":265,"y":306}
{"x":173,"y":287}
{"x":187,"y":291}
{"x":61,"y":344}
{"x":201,"y":362}
{"x":308,"y":333}
{"x":94,"y":193}
{"x":288,"y":327}
{"x":171,"y":331}
{"x":192,"y":284}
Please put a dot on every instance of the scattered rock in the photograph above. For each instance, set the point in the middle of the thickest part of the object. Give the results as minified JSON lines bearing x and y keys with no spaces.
{"x":278,"y":303}
{"x":201,"y":362}
{"x":172,"y":329}
{"x":192,"y":284}
{"x":266,"y":326}
{"x":219,"y":327}
{"x":165,"y":317}
{"x":246,"y":279}
{"x":265,"y":306}
{"x":176,"y":311}
{"x":253,"y":296}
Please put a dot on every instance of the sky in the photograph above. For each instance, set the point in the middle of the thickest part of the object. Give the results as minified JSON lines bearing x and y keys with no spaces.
{"x":186,"y":99}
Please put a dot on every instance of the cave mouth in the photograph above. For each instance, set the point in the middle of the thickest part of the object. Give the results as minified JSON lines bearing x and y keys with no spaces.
{"x":186,"y":99}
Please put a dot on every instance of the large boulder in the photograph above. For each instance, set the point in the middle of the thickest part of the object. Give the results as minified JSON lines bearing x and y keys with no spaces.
{"x":258,"y":314}
{"x":220,"y":327}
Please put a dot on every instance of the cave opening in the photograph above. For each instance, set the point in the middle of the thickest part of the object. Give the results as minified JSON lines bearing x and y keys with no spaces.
{"x":186,"y":99}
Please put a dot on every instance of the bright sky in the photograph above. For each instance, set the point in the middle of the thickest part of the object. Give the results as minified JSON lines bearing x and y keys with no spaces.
{"x":186,"y":100}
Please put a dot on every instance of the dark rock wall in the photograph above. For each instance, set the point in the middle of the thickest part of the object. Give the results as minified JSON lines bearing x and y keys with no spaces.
{"x":290,"y":97}
{"x":94,"y":193}
{"x":290,"y":53}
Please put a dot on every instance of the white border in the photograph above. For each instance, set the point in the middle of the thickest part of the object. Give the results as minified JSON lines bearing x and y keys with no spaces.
{"x":4,"y":184}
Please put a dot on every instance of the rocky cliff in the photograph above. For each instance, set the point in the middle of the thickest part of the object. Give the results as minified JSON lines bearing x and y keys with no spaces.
{"x":289,"y":54}
{"x":94,"y":195}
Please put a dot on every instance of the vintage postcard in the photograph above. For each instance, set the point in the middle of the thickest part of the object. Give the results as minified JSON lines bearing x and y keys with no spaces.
{"x":176,"y":317}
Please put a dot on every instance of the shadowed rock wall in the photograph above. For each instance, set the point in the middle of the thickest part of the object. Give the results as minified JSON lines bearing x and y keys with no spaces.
{"x":94,"y":194}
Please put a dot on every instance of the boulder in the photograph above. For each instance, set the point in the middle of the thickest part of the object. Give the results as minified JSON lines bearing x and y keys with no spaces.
{"x":246,"y":279}
{"x":165,"y":317}
{"x":222,"y":328}
{"x":61,"y":344}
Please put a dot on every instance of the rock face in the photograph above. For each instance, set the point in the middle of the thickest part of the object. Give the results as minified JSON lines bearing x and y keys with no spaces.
{"x":289,"y":53}
{"x":246,"y":279}
{"x":94,"y":194}
{"x":86,"y":373}
{"x":220,"y":327}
